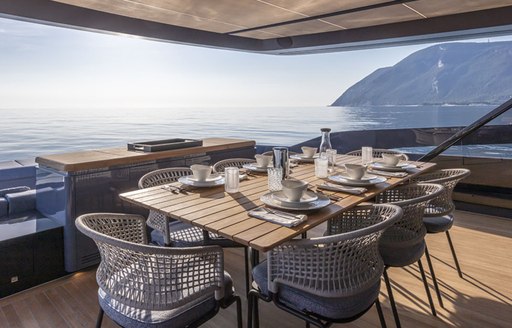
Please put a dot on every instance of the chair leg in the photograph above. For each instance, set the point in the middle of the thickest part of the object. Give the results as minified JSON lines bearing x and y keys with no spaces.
{"x":434,"y":279}
{"x":247,"y":269}
{"x":239,"y":311}
{"x":99,"y":320}
{"x":392,"y":300}
{"x":381,"y":315}
{"x":427,"y":290}
{"x":453,"y":253}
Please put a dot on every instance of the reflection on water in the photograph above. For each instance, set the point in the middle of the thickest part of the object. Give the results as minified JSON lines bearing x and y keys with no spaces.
{"x":31,"y":132}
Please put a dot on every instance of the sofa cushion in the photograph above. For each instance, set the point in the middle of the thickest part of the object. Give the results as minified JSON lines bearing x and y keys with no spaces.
{"x":12,"y":190}
{"x":3,"y":207}
{"x":21,"y":201}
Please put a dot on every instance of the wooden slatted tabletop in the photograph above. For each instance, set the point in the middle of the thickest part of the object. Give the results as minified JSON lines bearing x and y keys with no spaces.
{"x":215,"y":210}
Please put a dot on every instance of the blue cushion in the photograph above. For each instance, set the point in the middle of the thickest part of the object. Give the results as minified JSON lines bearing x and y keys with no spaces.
{"x":396,"y":255}
{"x":335,"y":308}
{"x":438,"y":223}
{"x":21,"y":201}
{"x":183,"y":316}
{"x":4,"y":207}
{"x":12,"y":190}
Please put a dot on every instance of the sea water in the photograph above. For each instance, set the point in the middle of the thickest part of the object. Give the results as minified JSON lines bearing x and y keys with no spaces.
{"x":26,"y":133}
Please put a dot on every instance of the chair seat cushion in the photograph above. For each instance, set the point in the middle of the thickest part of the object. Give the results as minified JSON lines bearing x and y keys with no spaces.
{"x":128,"y":316}
{"x":438,"y":223}
{"x":21,"y":201}
{"x":335,"y":308}
{"x":186,"y":235}
{"x":396,"y":256}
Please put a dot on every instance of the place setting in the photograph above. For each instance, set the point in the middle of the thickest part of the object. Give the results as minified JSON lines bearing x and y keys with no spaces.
{"x":391,"y":163}
{"x":203,"y":177}
{"x":263,"y":163}
{"x":309,"y":154}
{"x":355,"y":175}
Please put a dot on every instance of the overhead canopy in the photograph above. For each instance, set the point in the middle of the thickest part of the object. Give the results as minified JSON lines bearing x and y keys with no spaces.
{"x":276,"y":26}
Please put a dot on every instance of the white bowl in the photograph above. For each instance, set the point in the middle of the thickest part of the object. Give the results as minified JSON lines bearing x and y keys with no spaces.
{"x":355,"y":171}
{"x":201,"y":172}
{"x":390,"y":159}
{"x":263,"y":160}
{"x":308,"y":152}
{"x":294,"y":189}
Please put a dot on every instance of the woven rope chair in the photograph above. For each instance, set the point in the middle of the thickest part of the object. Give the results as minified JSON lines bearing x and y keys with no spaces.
{"x":377,"y":153}
{"x":167,"y":233}
{"x":404,"y":243}
{"x":328,"y":279}
{"x":438,"y":215}
{"x":151,"y":286}
{"x":236,"y":162}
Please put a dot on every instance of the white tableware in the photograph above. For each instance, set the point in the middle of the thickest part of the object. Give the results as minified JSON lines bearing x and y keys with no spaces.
{"x":275,"y":178}
{"x":263,"y":160}
{"x":254,"y":167}
{"x":321,"y":202}
{"x":308,"y":152}
{"x":201,"y":172}
{"x":390,"y":159}
{"x":365,"y":177}
{"x":307,"y":197}
{"x":355,"y":171}
{"x":294,"y":189}
{"x":189,"y":180}
{"x":341,"y":180}
{"x":232,"y":179}
{"x":398,"y":168}
{"x":211,"y":178}
{"x":303,"y":158}
{"x":340,"y":188}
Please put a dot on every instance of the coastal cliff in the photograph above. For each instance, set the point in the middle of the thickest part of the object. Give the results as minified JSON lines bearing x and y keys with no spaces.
{"x":452,"y":73}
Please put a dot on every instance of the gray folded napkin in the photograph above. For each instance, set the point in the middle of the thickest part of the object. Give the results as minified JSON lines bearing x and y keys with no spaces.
{"x":348,"y":190}
{"x":279,"y":217}
{"x":388,"y":174}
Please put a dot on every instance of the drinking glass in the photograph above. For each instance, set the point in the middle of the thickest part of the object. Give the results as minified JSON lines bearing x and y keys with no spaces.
{"x":366,"y":155}
{"x":321,"y":166}
{"x":232,"y":179}
{"x":331,"y":157}
{"x":275,"y":177}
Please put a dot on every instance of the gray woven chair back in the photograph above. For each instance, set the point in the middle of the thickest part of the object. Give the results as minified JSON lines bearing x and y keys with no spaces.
{"x":157,"y":220}
{"x":163,"y":176}
{"x":236,"y":162}
{"x":377,"y":153}
{"x":339,"y":265}
{"x":150,"y":277}
{"x":413,"y":199}
{"x":443,"y":204}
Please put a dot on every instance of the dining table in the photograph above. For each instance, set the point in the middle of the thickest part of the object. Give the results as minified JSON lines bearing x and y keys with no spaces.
{"x":227,"y":214}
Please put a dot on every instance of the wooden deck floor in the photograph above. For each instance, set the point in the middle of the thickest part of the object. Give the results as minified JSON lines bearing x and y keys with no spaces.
{"x":482,"y":299}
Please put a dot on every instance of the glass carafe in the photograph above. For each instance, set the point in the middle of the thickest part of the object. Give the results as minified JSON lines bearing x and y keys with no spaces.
{"x":326,"y":142}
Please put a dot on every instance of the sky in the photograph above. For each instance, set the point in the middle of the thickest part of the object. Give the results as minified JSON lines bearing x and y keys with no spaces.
{"x":52,"y":67}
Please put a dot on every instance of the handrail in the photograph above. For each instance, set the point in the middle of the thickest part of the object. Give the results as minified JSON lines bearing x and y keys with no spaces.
{"x":467,"y":131}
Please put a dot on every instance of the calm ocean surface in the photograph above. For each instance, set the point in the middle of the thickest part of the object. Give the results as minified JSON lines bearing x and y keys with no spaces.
{"x":27,"y":133}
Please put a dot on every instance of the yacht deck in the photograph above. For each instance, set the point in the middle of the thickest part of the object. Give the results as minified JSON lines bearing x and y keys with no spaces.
{"x":482,"y":299}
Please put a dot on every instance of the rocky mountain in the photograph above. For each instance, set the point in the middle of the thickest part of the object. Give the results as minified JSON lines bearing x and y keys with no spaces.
{"x":452,"y":73}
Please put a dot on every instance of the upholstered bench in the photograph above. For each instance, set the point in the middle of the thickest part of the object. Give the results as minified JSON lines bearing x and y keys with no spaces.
{"x":31,"y":245}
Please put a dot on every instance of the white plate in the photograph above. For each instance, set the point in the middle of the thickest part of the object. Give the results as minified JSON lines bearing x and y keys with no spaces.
{"x":308,"y":197}
{"x":255,"y":168}
{"x":211,"y":178}
{"x":320,"y":202}
{"x":303,"y":158}
{"x":398,"y":168}
{"x":366,"y":177}
{"x":341,"y":180}
{"x":187,"y":181}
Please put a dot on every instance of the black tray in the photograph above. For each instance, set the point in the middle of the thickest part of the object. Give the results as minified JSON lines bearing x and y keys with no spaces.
{"x":160,"y":145}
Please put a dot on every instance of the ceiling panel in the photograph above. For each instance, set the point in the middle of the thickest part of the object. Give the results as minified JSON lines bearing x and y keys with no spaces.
{"x":307,"y":27}
{"x":433,"y":8}
{"x":378,"y":16}
{"x":319,"y":7}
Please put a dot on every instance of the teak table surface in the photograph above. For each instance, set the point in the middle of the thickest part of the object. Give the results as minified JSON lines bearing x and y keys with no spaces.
{"x":214,"y":210}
